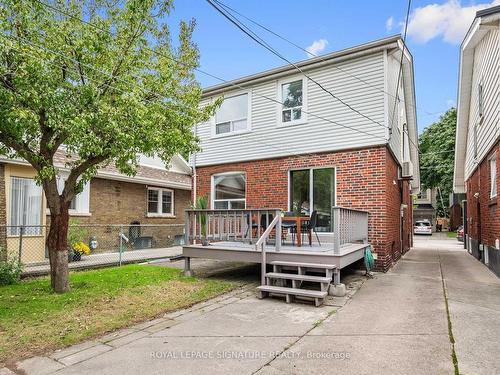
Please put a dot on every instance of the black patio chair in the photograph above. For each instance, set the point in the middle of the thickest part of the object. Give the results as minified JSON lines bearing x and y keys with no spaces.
{"x":310,"y":227}
{"x":289,"y":225}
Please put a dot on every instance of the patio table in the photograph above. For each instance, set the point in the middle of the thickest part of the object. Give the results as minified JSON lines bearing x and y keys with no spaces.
{"x":299,"y":220}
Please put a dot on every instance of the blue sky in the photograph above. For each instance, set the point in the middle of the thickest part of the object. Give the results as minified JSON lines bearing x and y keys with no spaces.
{"x":436,"y":29}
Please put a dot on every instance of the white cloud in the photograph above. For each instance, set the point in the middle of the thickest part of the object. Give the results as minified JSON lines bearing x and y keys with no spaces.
{"x":316,"y":47}
{"x":449,"y":21}
{"x":389,"y":24}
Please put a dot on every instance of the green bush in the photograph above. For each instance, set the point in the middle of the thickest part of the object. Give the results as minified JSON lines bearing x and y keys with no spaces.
{"x":10,"y":271}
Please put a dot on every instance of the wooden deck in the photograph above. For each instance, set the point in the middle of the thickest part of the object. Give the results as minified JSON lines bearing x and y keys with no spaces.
{"x":245,"y":252}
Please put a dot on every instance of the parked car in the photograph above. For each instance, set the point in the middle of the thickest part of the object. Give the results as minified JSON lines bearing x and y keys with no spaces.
{"x":422,"y":227}
{"x":460,"y":233}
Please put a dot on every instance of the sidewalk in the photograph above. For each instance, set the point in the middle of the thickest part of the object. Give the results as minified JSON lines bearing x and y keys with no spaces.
{"x":395,"y":323}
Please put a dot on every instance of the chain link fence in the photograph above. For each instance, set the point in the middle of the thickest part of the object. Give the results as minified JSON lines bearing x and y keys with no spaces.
{"x":92,"y":245}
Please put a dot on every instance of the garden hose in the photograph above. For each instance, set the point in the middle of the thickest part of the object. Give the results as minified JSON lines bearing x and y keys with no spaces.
{"x":369,"y":261}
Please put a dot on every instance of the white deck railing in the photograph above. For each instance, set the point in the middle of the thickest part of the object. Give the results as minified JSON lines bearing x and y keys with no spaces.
{"x":261,"y":244}
{"x":349,"y":226}
{"x":245,"y":225}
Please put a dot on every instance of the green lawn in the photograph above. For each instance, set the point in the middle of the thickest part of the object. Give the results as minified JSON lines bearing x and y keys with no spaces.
{"x":452,"y":234}
{"x":33,"y":319}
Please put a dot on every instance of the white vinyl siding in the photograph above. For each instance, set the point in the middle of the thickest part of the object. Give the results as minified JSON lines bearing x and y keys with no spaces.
{"x":270,"y":139}
{"x":483,"y":133}
{"x":25,"y":206}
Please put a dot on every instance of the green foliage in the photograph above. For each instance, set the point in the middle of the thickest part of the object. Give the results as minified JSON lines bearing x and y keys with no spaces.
{"x":437,"y":145}
{"x":10,"y":271}
{"x":77,"y":233}
{"x":106,"y":92}
{"x":201,"y":203}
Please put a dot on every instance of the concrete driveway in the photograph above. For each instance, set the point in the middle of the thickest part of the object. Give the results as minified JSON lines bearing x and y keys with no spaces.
{"x":394,"y":323}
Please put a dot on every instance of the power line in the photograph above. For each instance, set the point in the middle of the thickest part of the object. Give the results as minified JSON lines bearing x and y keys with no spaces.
{"x":318,"y":56}
{"x":207,"y":73}
{"x":246,"y":30}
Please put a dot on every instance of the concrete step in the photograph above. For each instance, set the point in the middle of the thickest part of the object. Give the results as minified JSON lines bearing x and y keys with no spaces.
{"x":293,"y":276}
{"x":307,"y":265}
{"x":292,"y":291}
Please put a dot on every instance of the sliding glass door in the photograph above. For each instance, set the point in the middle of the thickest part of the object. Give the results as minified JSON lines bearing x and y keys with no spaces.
{"x":313,"y":190}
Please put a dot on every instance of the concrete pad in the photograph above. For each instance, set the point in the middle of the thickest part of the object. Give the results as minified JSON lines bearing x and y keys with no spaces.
{"x":85,"y":354}
{"x":185,"y":355}
{"x":39,"y":366}
{"x":116,"y":335}
{"x":477,"y":338}
{"x":6,"y":371}
{"x":392,"y":354}
{"x":252,"y":317}
{"x":58,"y":354}
{"x":482,"y":295}
{"x":127,"y":339}
{"x":419,"y":269}
{"x":162,"y":325}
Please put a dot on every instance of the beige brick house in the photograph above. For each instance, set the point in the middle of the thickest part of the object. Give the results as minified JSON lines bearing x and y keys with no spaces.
{"x":156,"y":195}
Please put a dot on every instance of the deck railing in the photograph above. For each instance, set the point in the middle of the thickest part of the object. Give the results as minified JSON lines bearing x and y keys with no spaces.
{"x":246,"y":225}
{"x":260,"y":245}
{"x":349,"y":226}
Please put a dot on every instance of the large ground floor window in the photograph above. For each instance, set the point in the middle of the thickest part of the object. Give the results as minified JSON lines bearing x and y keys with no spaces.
{"x":313,"y":190}
{"x":25,"y":206}
{"x":229,"y":191}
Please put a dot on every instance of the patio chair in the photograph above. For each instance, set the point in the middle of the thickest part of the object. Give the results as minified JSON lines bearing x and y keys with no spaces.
{"x":311,"y":227}
{"x":289,"y":225}
{"x":263,"y":223}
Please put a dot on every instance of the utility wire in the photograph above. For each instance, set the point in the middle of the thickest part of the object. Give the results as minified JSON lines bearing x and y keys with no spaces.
{"x":209,"y":74}
{"x":319,"y":56}
{"x":246,"y":30}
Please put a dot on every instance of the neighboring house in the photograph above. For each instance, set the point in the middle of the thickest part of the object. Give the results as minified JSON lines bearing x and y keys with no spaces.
{"x":314,"y":152}
{"x":477,"y":151}
{"x":155,"y":195}
{"x":456,"y":210}
{"x":425,"y":206}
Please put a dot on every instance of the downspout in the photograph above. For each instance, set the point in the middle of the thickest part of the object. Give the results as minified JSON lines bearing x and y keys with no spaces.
{"x":194,"y":166}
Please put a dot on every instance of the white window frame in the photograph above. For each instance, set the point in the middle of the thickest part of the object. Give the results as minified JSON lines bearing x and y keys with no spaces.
{"x":493,"y":176}
{"x":249,"y":117}
{"x":159,"y":209}
{"x":280,"y":109}
{"x":31,"y":230}
{"x":311,"y":182}
{"x":212,"y":189}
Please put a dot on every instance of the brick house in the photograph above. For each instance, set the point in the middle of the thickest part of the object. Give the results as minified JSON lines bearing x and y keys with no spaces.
{"x":478,"y":136}
{"x":279,"y":141}
{"x":155,"y":195}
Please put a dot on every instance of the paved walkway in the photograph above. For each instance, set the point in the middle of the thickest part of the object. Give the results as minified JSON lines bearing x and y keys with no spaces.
{"x":395,"y":323}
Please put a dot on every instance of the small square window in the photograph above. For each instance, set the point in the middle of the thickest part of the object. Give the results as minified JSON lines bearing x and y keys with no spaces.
{"x":160,"y":201}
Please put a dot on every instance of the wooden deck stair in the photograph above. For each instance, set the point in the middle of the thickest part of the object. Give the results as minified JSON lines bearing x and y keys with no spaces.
{"x":279,"y":279}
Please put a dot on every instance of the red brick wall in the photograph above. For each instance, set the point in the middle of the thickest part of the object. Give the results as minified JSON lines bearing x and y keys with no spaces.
{"x":364,"y":180}
{"x":487,"y":229}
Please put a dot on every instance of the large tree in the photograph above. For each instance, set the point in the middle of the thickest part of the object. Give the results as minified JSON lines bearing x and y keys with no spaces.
{"x":101,"y":80}
{"x":437,"y":146}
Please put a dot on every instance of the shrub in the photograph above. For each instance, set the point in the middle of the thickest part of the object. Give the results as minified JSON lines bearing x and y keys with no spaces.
{"x":10,"y":271}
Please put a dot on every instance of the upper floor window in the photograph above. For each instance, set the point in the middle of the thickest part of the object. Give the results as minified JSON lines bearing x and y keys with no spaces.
{"x":229,"y":191}
{"x":493,"y":177}
{"x":232,"y":116}
{"x":292,"y":97}
{"x":480,"y":100}
{"x":160,"y":202}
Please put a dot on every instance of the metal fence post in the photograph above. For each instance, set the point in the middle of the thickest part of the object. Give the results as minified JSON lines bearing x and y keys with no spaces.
{"x":21,"y":232}
{"x":121,"y":247}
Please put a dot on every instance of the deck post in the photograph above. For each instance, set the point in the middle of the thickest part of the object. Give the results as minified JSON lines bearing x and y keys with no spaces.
{"x":188,"y":272}
{"x":336,"y":276}
{"x":278,"y":231}
{"x":336,"y":229}
{"x":186,"y":228}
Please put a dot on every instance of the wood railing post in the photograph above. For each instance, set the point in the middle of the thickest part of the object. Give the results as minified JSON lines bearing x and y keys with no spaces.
{"x":278,"y":230}
{"x":336,"y":229}
{"x":187,"y":216}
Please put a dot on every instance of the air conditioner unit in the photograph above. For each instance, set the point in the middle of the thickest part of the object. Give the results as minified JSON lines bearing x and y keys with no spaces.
{"x":407,"y":169}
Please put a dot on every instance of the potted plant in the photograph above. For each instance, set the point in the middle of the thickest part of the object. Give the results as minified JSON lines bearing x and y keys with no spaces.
{"x":80,"y":248}
{"x":202,"y":204}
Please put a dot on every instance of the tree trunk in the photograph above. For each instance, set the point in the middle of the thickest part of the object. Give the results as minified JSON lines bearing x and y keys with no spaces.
{"x":57,"y":243}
